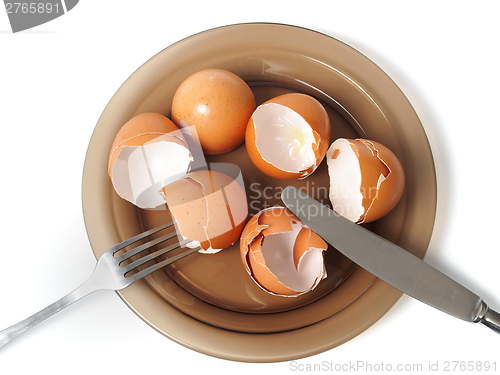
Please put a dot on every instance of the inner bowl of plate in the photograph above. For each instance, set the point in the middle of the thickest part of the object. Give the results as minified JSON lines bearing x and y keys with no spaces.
{"x":214,"y":303}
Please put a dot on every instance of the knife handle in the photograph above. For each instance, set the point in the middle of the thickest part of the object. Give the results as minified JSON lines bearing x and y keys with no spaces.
{"x":491,"y":319}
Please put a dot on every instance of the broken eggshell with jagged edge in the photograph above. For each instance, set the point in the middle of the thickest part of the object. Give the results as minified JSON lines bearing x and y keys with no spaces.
{"x":148,"y":152}
{"x":209,"y":207}
{"x":366,"y":179}
{"x":287,"y":136}
{"x":281,"y":254}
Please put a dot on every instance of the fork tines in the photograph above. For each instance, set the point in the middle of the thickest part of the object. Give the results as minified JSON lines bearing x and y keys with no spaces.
{"x":127,"y":268}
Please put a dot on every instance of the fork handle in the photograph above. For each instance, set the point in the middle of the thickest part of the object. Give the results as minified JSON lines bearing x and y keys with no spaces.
{"x":15,"y":330}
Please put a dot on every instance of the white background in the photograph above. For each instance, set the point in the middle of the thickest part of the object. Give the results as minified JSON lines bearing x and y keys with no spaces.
{"x":55,"y":81}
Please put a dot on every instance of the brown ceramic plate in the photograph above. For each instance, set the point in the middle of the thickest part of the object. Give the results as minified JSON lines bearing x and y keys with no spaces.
{"x":208,"y":302}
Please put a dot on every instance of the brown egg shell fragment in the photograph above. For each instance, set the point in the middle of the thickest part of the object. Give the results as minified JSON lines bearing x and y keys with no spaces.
{"x":306,"y":241}
{"x":140,"y":158}
{"x":390,"y":182}
{"x":141,"y":129}
{"x":382,"y":177}
{"x":188,"y":209}
{"x":314,"y":114}
{"x":275,"y":221}
{"x":209,"y":208}
{"x":261,"y":273}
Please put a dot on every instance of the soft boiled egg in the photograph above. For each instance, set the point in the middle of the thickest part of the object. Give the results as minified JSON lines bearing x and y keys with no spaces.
{"x":148,"y":152}
{"x":287,"y":137}
{"x":281,"y":254}
{"x":218,"y":104}
{"x":209,"y":208}
{"x":366,"y":179}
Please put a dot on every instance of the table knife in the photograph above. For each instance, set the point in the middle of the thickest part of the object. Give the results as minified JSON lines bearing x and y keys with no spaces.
{"x":389,"y":262}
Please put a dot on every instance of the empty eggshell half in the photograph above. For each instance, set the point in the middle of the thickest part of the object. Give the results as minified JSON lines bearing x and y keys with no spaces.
{"x":281,"y":254}
{"x":148,"y":152}
{"x":287,"y":137}
{"x":209,"y":208}
{"x":366,"y":179}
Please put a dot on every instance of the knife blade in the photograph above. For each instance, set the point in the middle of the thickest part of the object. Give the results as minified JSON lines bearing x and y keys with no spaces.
{"x":389,"y":262}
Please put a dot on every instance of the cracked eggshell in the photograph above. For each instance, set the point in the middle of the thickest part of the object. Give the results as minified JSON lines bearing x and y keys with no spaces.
{"x":148,"y":152}
{"x":209,"y":208}
{"x":218,"y":103}
{"x":366,"y":179}
{"x":287,"y":137}
{"x":281,"y":254}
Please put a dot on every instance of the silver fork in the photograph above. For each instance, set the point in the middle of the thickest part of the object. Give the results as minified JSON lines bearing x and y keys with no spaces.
{"x":111,"y":272}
